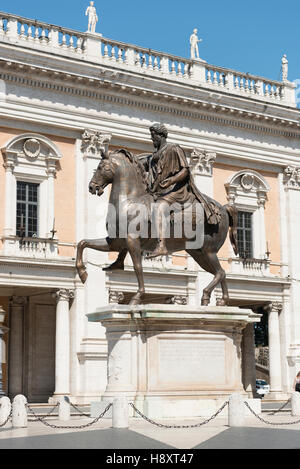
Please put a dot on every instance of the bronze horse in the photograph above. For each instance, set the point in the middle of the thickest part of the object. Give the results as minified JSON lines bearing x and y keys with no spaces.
{"x":128,"y":179}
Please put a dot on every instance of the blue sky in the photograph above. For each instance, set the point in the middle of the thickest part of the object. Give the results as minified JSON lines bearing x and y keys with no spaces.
{"x":246,"y":36}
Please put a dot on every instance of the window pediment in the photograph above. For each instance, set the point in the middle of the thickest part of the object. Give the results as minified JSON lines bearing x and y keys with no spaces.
{"x":31,"y":152}
{"x":249,"y":187}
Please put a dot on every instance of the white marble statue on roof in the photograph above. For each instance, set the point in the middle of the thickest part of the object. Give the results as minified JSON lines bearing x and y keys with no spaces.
{"x":93,"y":17}
{"x":284,"y":68}
{"x":194,"y":40}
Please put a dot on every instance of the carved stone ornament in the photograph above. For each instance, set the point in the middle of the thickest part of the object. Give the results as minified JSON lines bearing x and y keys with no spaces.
{"x":291,"y":177}
{"x":64,"y":295}
{"x":116,"y":297}
{"x":247,"y":181}
{"x":202,"y":161}
{"x":178,"y":300}
{"x":32,"y":148}
{"x":93,"y":142}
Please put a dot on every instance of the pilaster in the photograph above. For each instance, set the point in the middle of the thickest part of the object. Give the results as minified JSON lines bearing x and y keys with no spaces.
{"x":62,"y":347}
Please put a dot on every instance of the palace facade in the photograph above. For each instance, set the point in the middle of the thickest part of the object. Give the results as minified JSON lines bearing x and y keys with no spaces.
{"x":62,"y":94}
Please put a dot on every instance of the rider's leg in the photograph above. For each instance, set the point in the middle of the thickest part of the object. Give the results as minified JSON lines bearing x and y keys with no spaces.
{"x":161,"y":210}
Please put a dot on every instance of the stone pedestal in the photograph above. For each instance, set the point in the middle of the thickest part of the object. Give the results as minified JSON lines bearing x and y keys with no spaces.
{"x":174,"y":360}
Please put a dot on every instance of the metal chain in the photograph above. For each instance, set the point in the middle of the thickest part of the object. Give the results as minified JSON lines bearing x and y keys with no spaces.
{"x":70,"y":427}
{"x":179,"y":426}
{"x":280,"y":409}
{"x":78,"y":410}
{"x":44,"y":416}
{"x":265,"y":421}
{"x":6,"y":421}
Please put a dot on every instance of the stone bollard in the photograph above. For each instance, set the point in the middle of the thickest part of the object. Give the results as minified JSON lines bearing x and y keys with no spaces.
{"x":295,"y":401}
{"x":5,"y":409}
{"x":120,"y":413}
{"x":236,"y":411}
{"x":64,"y":413}
{"x":19,"y":412}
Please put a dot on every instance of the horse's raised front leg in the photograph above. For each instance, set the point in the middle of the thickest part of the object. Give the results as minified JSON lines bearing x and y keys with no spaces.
{"x":134,"y":248}
{"x":97,"y":244}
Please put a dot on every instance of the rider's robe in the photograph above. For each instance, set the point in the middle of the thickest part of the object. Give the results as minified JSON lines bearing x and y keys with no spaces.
{"x":167,"y":162}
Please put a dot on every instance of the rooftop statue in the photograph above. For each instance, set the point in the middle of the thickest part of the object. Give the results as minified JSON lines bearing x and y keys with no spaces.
{"x":194,"y":41}
{"x":155,"y":207}
{"x":93,"y":17}
{"x":284,"y":68}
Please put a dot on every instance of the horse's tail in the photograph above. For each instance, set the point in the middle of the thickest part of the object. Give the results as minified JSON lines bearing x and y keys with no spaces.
{"x":233,"y":221}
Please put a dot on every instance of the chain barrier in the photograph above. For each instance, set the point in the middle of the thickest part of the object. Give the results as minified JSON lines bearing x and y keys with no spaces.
{"x":138,"y":412}
{"x":70,"y":427}
{"x":266,"y":421}
{"x":281,"y":408}
{"x":78,"y":410}
{"x":50,"y":414}
{"x":179,"y":426}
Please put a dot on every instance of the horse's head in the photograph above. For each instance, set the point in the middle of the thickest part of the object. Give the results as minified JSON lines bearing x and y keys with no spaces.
{"x":103,"y":176}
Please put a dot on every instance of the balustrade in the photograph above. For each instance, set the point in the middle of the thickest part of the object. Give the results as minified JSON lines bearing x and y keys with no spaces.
{"x":252,"y":267}
{"x":37,"y":248}
{"x":36,"y":33}
{"x":41,"y":35}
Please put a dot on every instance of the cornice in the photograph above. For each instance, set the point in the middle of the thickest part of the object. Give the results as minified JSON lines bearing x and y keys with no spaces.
{"x":134,"y":96}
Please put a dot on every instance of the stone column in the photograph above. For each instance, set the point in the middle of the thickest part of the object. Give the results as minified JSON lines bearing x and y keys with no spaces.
{"x":291,"y":191}
{"x":16,"y":345}
{"x":274,"y":309}
{"x":10,"y":183}
{"x":62,"y":352}
{"x":51,"y":172}
{"x":3,"y":331}
{"x":249,"y":371}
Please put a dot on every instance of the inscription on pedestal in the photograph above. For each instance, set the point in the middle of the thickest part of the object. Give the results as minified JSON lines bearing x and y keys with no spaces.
{"x":192,"y":361}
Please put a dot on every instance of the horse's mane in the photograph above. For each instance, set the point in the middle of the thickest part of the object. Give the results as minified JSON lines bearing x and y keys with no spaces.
{"x":139,"y":167}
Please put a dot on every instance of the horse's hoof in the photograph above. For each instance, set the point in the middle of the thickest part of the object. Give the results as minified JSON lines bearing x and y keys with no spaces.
{"x":204,"y":302}
{"x":83,"y":276}
{"x":221,"y":303}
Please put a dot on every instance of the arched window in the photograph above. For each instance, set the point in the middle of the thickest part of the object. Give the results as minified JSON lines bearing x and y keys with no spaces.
{"x":248,"y":190}
{"x":30,"y":161}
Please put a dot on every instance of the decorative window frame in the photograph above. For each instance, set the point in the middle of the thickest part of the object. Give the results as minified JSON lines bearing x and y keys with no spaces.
{"x":30,"y":158}
{"x":248,"y":190}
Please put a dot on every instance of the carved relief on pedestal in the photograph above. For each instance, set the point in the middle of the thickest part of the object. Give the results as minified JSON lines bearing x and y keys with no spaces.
{"x":94,"y":142}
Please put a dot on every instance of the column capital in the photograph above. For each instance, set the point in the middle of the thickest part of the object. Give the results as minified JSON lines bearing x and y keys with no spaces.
{"x":93,"y":142}
{"x":9,"y":166}
{"x":202,"y":161}
{"x":291,"y":177}
{"x":18,"y":300}
{"x":178,"y":300}
{"x":116,"y":296}
{"x":274,"y":306}
{"x":64,"y":295}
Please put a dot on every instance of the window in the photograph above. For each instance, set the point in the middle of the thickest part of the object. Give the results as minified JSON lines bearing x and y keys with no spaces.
{"x":27,"y":209}
{"x":244,"y":232}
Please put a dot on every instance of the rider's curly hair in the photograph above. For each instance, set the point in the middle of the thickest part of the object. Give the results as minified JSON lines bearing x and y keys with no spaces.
{"x":159,"y":129}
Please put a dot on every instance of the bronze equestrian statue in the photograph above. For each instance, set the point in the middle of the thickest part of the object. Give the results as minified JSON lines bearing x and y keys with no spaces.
{"x":157,"y":182}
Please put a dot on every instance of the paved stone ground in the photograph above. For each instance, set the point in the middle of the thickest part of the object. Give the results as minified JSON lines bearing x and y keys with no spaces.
{"x":142,"y":435}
